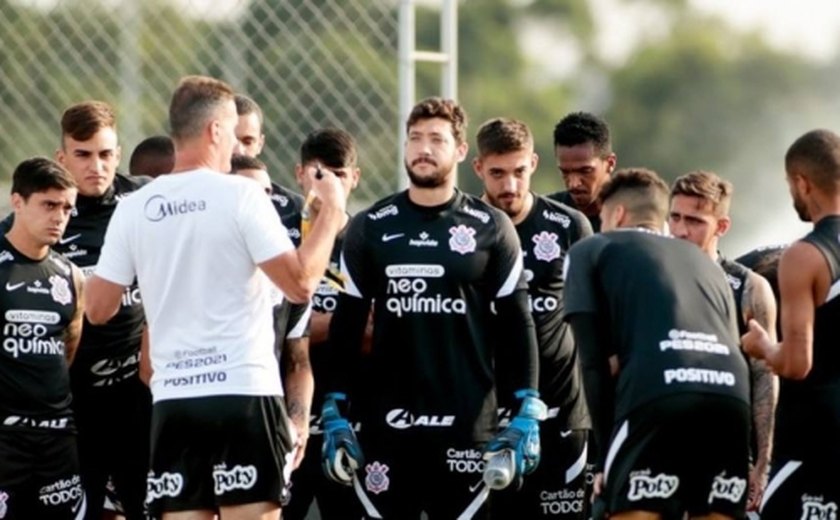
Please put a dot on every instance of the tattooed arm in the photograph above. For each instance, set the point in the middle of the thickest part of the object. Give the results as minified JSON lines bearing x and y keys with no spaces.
{"x":299,"y":385}
{"x":73,"y":332}
{"x":758,"y":303}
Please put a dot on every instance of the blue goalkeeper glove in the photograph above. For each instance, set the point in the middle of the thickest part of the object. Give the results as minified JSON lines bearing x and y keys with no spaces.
{"x":341,"y":454}
{"x":521,"y":437}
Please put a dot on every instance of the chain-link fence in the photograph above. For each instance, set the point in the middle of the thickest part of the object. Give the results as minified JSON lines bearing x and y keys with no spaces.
{"x":308,"y":63}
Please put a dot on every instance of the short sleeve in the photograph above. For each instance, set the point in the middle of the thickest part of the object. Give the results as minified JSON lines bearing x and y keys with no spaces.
{"x":116,"y":262}
{"x":506,"y":265}
{"x":265,"y":236}
{"x":354,"y":267}
{"x":580,"y":273}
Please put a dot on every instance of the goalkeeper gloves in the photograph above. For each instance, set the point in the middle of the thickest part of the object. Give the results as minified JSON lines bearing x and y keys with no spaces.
{"x":520,"y":442}
{"x":341,"y":454}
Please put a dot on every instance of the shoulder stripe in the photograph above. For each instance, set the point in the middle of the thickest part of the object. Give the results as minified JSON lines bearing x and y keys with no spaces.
{"x":512,"y":279}
{"x":350,"y":286}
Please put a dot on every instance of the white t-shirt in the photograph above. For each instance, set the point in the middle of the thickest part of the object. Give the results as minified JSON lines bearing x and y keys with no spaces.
{"x":193,"y":240}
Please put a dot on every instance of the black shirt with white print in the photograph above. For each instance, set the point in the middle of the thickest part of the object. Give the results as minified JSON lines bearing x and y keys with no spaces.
{"x":432,"y":274}
{"x":38,"y":302}
{"x":110,"y":353}
{"x":666,"y":312}
{"x":546,"y":234}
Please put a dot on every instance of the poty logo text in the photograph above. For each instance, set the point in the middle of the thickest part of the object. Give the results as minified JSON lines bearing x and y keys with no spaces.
{"x":238,"y":477}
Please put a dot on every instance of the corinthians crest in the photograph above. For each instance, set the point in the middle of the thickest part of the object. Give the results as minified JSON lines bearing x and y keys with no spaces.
{"x":462,"y":239}
{"x":60,"y":290}
{"x":546,"y":247}
{"x":377,"y":479}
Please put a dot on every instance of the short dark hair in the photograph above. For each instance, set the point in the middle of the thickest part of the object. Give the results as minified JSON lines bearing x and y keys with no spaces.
{"x":334,"y":147}
{"x":818,"y":152}
{"x":581,"y":128}
{"x":641,"y":191}
{"x":82,"y":120}
{"x":501,"y":135}
{"x":436,"y":107}
{"x":153,"y":156}
{"x":40,"y":174}
{"x":246,"y":105}
{"x":193,"y":104}
{"x":246,"y":162}
{"x":705,"y":185}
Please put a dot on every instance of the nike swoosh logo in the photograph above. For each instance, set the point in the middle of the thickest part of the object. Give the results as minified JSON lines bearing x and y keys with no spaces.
{"x":565,"y":433}
{"x":387,"y":238}
{"x":12,"y":287}
{"x":67,"y":240}
{"x":477,"y":485}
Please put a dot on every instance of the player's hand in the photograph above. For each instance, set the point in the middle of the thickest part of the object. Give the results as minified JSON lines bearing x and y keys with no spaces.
{"x":599,"y":505}
{"x":756,"y":341}
{"x":758,"y":482}
{"x":341,"y":454}
{"x":522,"y":436}
{"x":299,"y":440}
{"x":327,"y":187}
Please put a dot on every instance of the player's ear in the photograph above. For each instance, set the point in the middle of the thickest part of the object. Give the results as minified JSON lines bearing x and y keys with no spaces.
{"x":462,"y":150}
{"x":723,"y":225}
{"x":801,"y":182}
{"x":621,"y":217}
{"x":299,"y":173}
{"x":17,"y":201}
{"x":611,"y":161}
{"x":476,"y":164}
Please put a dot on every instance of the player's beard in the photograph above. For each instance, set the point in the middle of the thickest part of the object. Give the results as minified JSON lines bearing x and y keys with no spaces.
{"x":801,"y":209}
{"x":511,"y":206}
{"x":435,"y":179}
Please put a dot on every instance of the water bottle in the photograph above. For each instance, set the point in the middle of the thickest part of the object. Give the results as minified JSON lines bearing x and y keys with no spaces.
{"x":500,"y":469}
{"x":306,"y":211}
{"x":306,"y":216}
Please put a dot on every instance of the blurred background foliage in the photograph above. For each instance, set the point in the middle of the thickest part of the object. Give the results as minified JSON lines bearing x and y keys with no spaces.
{"x":688,"y":92}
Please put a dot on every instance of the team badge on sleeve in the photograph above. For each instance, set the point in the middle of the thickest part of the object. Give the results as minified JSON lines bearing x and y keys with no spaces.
{"x":546,"y":247}
{"x":377,"y":479}
{"x":60,"y":290}
{"x":462,"y":239}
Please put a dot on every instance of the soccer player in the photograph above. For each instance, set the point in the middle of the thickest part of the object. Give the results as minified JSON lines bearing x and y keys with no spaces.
{"x":253,"y":168}
{"x":250,"y":141}
{"x":699,"y":213}
{"x":42,"y":321}
{"x":195,"y":240}
{"x":547,"y":229}
{"x":333,"y":149}
{"x":111,"y":403}
{"x":585,"y":159}
{"x":432,"y":259}
{"x":665,"y":310}
{"x":154,"y":156}
{"x":806,"y":453}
